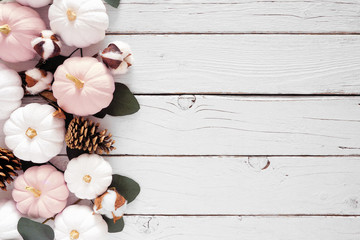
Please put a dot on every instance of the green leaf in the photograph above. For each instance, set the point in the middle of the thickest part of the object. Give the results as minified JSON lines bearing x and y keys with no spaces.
{"x":31,"y":230}
{"x":114,"y":227}
{"x":123,"y":103}
{"x":127,"y":187}
{"x":113,"y":3}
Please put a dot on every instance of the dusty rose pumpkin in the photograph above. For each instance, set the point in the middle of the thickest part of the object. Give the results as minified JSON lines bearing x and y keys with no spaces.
{"x":19,"y":25}
{"x":83,"y":86}
{"x":40,"y":192}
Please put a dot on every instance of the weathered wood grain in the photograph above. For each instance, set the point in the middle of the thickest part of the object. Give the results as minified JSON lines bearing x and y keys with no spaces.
{"x":239,"y":64}
{"x":236,"y":16}
{"x":236,"y":228}
{"x":237,"y":125}
{"x":216,"y":16}
{"x":213,"y":125}
{"x":241,"y":185}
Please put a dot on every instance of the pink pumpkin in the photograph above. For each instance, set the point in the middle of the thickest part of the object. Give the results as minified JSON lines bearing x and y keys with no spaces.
{"x":19,"y":25}
{"x":83,"y":86}
{"x":40,"y":192}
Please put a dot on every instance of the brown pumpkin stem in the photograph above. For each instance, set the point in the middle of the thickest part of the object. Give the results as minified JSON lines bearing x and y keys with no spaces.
{"x":74,"y":235}
{"x":5,"y":29}
{"x":31,"y":133}
{"x":71,"y":15}
{"x":78,"y":83}
{"x":87,"y":178}
{"x":36,"y":192}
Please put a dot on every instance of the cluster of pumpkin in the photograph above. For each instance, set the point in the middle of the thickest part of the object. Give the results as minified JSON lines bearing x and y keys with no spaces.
{"x":82,"y":86}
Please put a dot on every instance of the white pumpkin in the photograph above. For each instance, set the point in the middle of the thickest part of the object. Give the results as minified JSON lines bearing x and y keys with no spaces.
{"x":88,"y":176}
{"x":34,"y":3}
{"x":79,"y":222}
{"x":79,"y":23}
{"x":11,"y":91}
{"x":34,"y":134}
{"x":9,"y":218}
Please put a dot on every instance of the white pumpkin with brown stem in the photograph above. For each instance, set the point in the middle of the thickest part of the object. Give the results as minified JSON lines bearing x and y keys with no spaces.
{"x":88,"y":176}
{"x":79,"y":222}
{"x":79,"y":23}
{"x":34,"y":134}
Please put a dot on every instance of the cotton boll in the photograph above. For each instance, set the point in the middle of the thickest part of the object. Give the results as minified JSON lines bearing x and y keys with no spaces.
{"x":111,"y":204}
{"x":38,"y":80}
{"x":47,"y":45}
{"x":117,"y":57}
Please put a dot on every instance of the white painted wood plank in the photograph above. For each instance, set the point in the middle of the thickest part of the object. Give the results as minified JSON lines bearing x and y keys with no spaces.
{"x":213,"y":125}
{"x":249,"y":64}
{"x":236,"y":228}
{"x":237,"y":125}
{"x":216,"y":16}
{"x":239,"y":16}
{"x":241,"y":185}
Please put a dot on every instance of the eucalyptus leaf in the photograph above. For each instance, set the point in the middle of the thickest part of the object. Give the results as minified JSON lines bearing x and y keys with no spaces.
{"x":113,"y":3}
{"x":114,"y":227}
{"x":127,"y":187}
{"x":31,"y":230}
{"x":123,"y":103}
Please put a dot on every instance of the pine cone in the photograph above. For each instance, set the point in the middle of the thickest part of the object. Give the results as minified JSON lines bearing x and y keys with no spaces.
{"x":83,"y":134}
{"x":8,"y":165}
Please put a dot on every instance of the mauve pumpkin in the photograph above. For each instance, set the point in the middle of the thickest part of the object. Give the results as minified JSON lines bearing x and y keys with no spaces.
{"x":83,"y":86}
{"x":40,"y":192}
{"x":19,"y":25}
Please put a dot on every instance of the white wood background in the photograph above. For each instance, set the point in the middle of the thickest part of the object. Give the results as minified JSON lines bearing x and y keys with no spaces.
{"x":250,"y":119}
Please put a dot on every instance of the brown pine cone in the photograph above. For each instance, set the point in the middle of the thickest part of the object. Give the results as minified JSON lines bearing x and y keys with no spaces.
{"x":8,"y":165}
{"x":83,"y":134}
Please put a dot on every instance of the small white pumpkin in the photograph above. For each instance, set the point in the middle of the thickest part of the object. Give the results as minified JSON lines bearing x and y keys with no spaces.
{"x":11,"y":91}
{"x":79,"y":23}
{"x":34,"y":134}
{"x":34,"y":3}
{"x":79,"y":222}
{"x":88,"y":176}
{"x":9,"y":218}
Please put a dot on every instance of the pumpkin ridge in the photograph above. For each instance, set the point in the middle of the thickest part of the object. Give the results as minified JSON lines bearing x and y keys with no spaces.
{"x":22,"y":22}
{"x":42,"y":207}
{"x":19,"y":12}
{"x":94,"y":24}
{"x":63,"y":198}
{"x":53,"y":205}
{"x":49,"y":139}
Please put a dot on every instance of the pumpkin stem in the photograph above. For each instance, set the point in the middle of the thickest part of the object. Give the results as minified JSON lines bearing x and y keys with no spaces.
{"x":78,"y":83}
{"x":35,"y":191}
{"x":74,"y":235}
{"x":31,"y":133}
{"x":71,"y":15}
{"x":87,"y":178}
{"x":5,"y":29}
